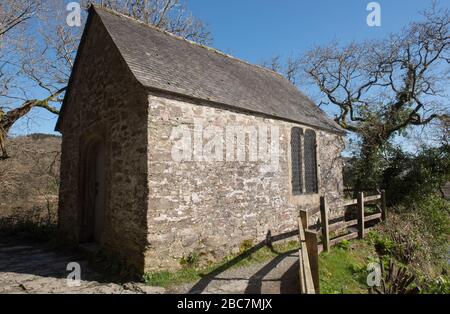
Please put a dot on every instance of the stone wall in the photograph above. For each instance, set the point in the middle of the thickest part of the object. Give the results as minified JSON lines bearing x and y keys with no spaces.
{"x":159,"y":210}
{"x":209,"y":208}
{"x":105,"y":102}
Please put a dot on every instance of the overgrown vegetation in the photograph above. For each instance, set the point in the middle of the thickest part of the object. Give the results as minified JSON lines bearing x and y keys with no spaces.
{"x":409,"y":178}
{"x":416,"y":237}
{"x":394,"y":279}
{"x":410,"y":264}
{"x":417,"y":232}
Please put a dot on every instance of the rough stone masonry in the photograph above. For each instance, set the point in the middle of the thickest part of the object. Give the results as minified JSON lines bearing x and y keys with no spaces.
{"x":131,"y":86}
{"x":211,"y":208}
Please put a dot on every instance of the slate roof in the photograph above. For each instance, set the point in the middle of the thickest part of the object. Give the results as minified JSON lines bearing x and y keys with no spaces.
{"x":165,"y":62}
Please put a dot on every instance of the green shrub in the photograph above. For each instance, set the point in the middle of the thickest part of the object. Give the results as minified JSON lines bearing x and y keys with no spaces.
{"x":441,"y":285}
{"x":416,"y":235}
{"x":411,"y":242}
{"x":382,"y":243}
{"x":345,"y":245}
{"x":190,"y":261}
{"x":245,"y":246}
{"x":435,"y":212}
{"x":411,"y":178}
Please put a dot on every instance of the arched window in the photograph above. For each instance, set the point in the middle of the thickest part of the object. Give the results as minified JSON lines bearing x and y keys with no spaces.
{"x":310,"y":162}
{"x":296,"y":159}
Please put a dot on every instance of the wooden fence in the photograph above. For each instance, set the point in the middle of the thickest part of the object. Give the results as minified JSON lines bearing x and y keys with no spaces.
{"x":305,"y":271}
{"x":315,"y":240}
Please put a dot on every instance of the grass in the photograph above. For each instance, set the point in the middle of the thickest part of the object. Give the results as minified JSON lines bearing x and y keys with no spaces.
{"x":191,"y":273}
{"x":343,"y":269}
{"x":166,"y":279}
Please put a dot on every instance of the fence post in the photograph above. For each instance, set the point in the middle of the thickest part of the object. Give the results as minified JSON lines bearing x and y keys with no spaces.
{"x":324,"y":222}
{"x":305,"y":272}
{"x":383,"y":205}
{"x":301,"y":271}
{"x":313,"y":254}
{"x":360,"y":204}
{"x":305,"y":218}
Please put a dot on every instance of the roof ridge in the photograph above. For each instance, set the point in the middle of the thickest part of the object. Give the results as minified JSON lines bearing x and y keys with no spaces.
{"x":95,"y":6}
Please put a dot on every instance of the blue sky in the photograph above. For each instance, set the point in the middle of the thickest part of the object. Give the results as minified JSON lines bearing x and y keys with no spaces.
{"x":256,"y":30}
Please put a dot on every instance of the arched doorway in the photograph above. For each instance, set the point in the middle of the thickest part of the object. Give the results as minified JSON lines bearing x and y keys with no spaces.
{"x":93,"y":192}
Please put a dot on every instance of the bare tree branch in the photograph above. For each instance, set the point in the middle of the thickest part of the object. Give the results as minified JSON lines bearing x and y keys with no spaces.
{"x":40,"y":63}
{"x":384,"y":87}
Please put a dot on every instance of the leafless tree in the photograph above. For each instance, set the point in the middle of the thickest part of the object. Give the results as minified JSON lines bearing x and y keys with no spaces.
{"x":37,"y":49}
{"x":381,"y":88}
{"x":289,"y":69}
{"x":14,"y":13}
{"x":170,"y":15}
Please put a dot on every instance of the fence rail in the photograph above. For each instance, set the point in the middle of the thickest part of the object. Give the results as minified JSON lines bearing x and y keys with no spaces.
{"x":356,"y":228}
{"x":311,"y":247}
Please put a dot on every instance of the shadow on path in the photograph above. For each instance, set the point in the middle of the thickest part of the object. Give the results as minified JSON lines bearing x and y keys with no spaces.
{"x":286,"y":282}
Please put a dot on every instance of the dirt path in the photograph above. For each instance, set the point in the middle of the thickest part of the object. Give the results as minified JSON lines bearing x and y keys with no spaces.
{"x":35,"y":268}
